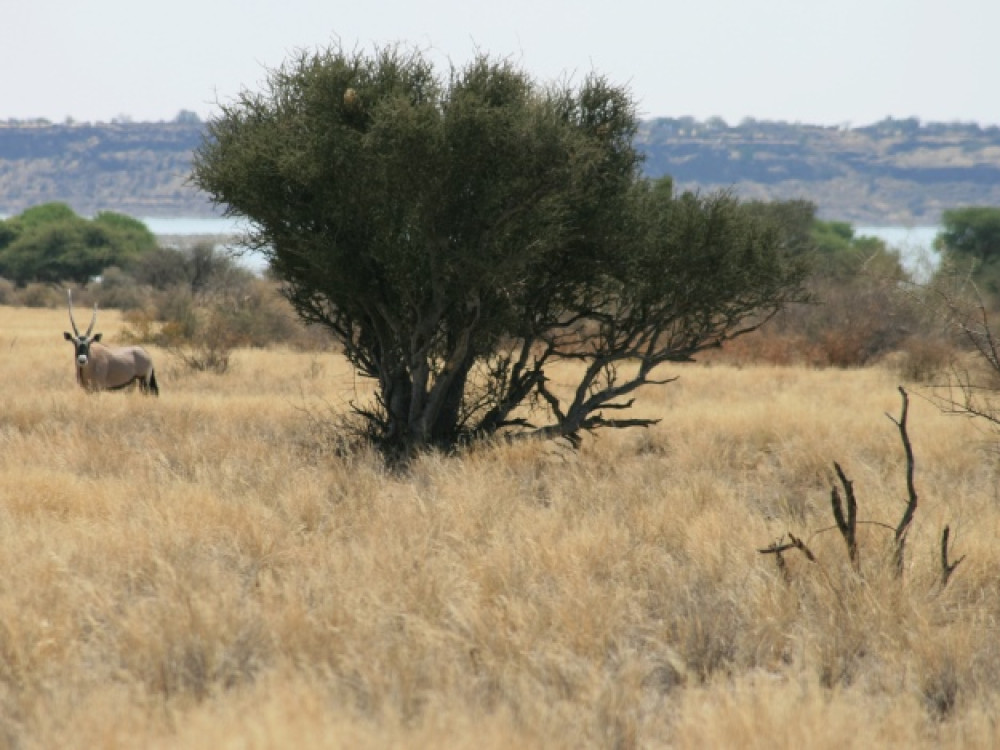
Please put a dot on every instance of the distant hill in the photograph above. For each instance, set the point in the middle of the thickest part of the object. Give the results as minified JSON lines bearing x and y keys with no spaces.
{"x":892,"y":172}
{"x":140,"y":169}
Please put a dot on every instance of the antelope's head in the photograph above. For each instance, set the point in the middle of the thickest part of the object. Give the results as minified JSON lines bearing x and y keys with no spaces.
{"x":81,"y":343}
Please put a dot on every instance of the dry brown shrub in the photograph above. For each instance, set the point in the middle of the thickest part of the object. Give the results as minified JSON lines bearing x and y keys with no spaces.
{"x":922,"y":359}
{"x":7,"y":291}
{"x":41,"y":295}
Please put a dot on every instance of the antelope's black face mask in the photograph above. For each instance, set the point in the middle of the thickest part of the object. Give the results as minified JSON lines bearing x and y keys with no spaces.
{"x":82,"y":346}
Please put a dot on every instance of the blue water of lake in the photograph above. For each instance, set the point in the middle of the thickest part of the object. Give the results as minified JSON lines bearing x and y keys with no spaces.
{"x":914,"y":244}
{"x":186,"y":225}
{"x":218,"y":226}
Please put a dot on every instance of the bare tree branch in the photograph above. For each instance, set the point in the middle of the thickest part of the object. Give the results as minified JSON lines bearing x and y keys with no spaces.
{"x":911,"y":504}
{"x":847,"y":521}
{"x":963,"y":393}
{"x":778,"y":548}
{"x":848,"y":525}
{"x":947,"y":568}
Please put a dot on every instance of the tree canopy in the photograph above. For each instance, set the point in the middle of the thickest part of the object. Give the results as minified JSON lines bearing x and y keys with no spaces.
{"x":461,"y":233}
{"x":51,"y":243}
{"x":835,"y":252}
{"x":972,"y":231}
{"x":970,"y":239}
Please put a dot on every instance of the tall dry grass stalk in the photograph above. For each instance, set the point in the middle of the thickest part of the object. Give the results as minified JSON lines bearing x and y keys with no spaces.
{"x":207,"y":570}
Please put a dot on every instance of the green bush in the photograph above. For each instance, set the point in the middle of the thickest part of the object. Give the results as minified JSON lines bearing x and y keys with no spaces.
{"x":52,"y":244}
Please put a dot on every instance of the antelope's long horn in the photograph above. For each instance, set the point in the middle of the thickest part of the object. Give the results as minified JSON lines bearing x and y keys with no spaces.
{"x":69,"y":296}
{"x":93,"y":320}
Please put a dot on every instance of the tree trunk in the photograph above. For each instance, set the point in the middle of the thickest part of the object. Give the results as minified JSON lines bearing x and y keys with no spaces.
{"x":395,"y":397}
{"x":445,"y":427}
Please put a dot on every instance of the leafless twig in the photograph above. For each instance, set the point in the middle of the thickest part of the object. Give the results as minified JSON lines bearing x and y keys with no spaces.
{"x":845,"y":513}
{"x":779,"y":547}
{"x":911,"y":505}
{"x":848,"y":525}
{"x":947,"y":568}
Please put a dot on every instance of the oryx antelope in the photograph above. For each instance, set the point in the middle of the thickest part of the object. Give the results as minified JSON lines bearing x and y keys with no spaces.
{"x":100,"y":368}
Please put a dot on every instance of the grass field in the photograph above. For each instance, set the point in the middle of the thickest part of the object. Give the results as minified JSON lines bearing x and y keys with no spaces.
{"x":205,"y":570}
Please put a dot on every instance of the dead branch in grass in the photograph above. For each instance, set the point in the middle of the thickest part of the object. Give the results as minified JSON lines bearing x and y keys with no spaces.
{"x":848,"y":525}
{"x":947,"y":568}
{"x":845,"y":514}
{"x":911,"y":504}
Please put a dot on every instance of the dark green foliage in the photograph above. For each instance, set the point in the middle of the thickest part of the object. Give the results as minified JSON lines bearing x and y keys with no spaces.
{"x":835,"y":253}
{"x":973,"y":231}
{"x":843,"y":256}
{"x":50,"y":243}
{"x":970,"y":238}
{"x":796,"y":217}
{"x":46,"y":213}
{"x":132,"y":235}
{"x":459,"y":235}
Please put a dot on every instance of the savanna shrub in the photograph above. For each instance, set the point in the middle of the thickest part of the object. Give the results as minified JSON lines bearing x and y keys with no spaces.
{"x":119,"y":290}
{"x":853,"y":323}
{"x":8,"y":291}
{"x":162,"y":268}
{"x":202,"y":328}
{"x":188,"y":330}
{"x":37,"y":294}
{"x":922,"y":358}
{"x":771,"y":346}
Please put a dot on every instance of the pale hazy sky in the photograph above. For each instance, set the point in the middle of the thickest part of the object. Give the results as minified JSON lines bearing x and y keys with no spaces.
{"x":807,"y":61}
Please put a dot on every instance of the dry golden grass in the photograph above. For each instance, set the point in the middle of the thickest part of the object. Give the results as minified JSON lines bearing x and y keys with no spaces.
{"x":198,"y":571}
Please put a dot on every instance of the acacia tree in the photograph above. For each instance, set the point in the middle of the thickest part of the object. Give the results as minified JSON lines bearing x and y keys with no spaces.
{"x":971,"y":235}
{"x":459,"y":234}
